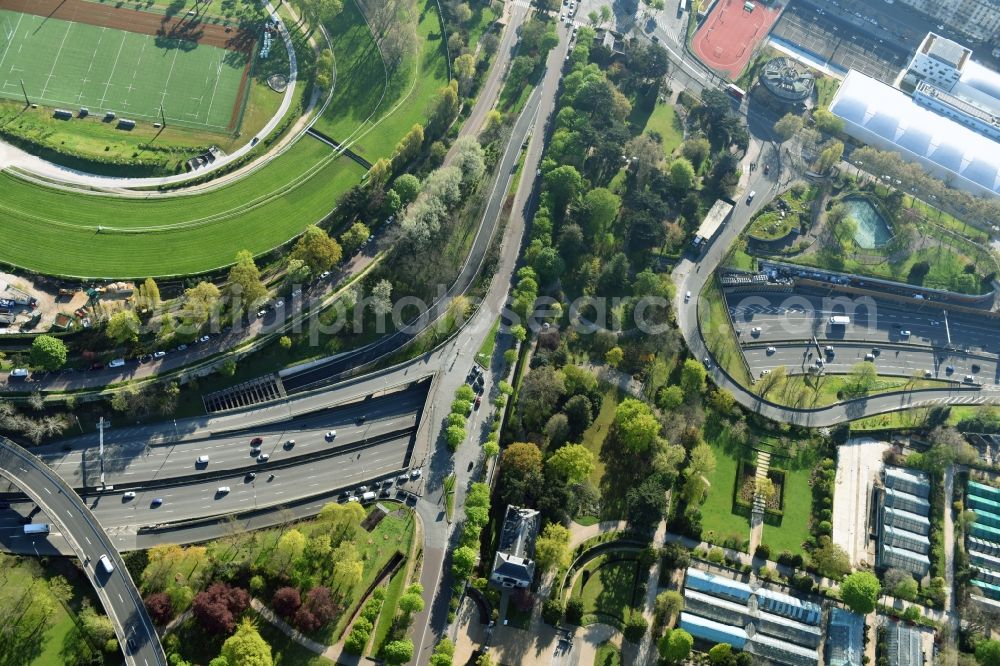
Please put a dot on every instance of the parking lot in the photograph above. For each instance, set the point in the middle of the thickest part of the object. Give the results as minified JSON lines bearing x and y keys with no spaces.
{"x":859,"y":463}
{"x":842,"y":40}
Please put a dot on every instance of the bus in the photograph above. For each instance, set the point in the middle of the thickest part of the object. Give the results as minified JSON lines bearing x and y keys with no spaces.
{"x":840,"y":320}
{"x":36,"y":528}
{"x":682,"y":6}
{"x":736,"y":92}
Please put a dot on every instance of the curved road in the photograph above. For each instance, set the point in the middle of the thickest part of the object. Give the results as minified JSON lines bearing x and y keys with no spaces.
{"x":89,"y":541}
{"x":692,"y":275}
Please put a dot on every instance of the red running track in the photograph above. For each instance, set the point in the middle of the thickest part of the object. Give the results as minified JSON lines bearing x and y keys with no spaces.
{"x":729,"y":37}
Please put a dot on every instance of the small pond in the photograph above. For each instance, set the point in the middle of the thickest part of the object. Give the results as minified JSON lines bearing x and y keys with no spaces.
{"x":873,"y":231}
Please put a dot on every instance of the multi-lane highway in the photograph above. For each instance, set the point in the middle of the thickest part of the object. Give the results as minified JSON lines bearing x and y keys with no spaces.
{"x":794,"y":330}
{"x":124,"y":517}
{"x":130,"y":460}
{"x":78,"y":527}
{"x":807,"y":311}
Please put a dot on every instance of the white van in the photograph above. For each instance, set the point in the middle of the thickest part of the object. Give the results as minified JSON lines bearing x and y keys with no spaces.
{"x":368,"y":496}
{"x":106,"y":564}
{"x":202,"y":460}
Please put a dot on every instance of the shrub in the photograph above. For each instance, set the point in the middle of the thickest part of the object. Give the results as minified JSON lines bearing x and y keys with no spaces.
{"x":635,"y":627}
{"x":574,"y":611}
{"x":552,"y":611}
{"x":763,"y":552}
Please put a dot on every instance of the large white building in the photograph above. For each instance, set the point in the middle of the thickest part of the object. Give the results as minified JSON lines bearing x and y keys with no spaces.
{"x":977,"y":19}
{"x":951,"y":124}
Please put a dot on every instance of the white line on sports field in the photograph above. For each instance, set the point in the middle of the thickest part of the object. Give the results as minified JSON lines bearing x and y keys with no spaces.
{"x":137,"y":67}
{"x":163,"y":95}
{"x":86,"y":77}
{"x":113,"y":68}
{"x":56,"y":60}
{"x":215,"y":88}
{"x":20,"y":18}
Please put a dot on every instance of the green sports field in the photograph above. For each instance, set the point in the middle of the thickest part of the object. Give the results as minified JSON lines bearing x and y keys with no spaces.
{"x":65,"y":232}
{"x":65,"y":64}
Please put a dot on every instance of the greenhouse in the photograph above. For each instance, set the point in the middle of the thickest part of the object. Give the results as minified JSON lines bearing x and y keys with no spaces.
{"x":904,"y":645}
{"x":781,"y":651}
{"x":909,"y":481}
{"x":983,"y":490}
{"x":906,"y":539}
{"x":900,"y":558}
{"x":790,"y":607}
{"x":844,"y":638}
{"x":898,"y":499}
{"x":712,"y":631}
{"x":907,"y":520}
{"x":719,"y":586}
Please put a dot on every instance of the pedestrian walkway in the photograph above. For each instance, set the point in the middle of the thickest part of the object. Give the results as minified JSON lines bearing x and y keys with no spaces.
{"x":759,"y":502}
{"x":286,"y":628}
{"x":579,"y":533}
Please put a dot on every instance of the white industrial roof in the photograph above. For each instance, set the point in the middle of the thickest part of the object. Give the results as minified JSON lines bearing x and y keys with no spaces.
{"x":980,"y":84}
{"x":897,"y":120}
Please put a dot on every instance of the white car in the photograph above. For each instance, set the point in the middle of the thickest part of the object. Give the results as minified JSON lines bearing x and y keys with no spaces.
{"x":202,"y":460}
{"x":687,"y":296}
{"x":755,"y":330}
{"x":261,"y":313}
{"x":159,"y":354}
{"x":771,"y":350}
{"x":280,"y":303}
{"x":904,"y":334}
{"x":416,"y":474}
{"x":331,"y":435}
{"x":223,"y":490}
{"x":116,"y":363}
{"x":204,"y":338}
{"x":764,"y":373}
{"x":264,"y":457}
{"x":324,"y":275}
{"x":129,"y":495}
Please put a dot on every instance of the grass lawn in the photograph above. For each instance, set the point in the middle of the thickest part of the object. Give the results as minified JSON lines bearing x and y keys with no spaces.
{"x":719,"y":334}
{"x":45,"y":646}
{"x":593,"y":437}
{"x":393,"y":591}
{"x":607,"y":655}
{"x":826,"y":88}
{"x":664,"y":121}
{"x":449,"y":495}
{"x":946,"y":267}
{"x":285,"y":651}
{"x":383,"y":109}
{"x":718,"y":520}
{"x":913,"y":418}
{"x":489,"y":344}
{"x":610,"y":588}
{"x":61,"y":232}
{"x":794,"y":528}
{"x":804,"y":391}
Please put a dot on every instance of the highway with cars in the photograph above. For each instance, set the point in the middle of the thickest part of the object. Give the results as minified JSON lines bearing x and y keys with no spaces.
{"x":76,"y":524}
{"x":124,"y":517}
{"x":129,"y":461}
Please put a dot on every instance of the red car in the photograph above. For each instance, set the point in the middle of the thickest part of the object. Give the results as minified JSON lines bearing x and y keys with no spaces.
{"x":256,"y":441}
{"x":479,"y":401}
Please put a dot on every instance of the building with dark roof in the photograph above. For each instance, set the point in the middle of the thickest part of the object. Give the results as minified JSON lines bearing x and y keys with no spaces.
{"x":512,"y":565}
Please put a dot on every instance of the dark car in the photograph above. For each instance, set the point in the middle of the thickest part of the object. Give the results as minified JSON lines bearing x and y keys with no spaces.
{"x":975,"y":367}
{"x":362,"y":419}
{"x":97,"y":366}
{"x":256,"y":441}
